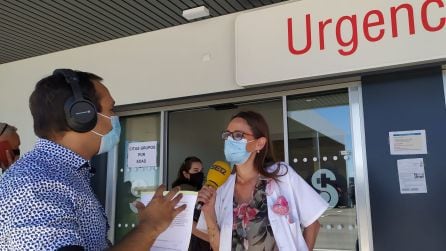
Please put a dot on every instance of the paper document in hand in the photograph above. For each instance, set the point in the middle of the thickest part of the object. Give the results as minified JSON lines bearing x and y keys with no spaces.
{"x":177,"y":235}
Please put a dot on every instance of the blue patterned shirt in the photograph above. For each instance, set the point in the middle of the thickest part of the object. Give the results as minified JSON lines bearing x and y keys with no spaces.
{"x":46,"y":202}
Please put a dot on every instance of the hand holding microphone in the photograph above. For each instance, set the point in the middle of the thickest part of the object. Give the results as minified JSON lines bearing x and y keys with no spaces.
{"x":217,"y":176}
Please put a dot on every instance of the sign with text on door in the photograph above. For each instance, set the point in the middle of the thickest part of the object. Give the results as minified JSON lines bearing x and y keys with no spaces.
{"x":318,"y":38}
{"x":142,"y":154}
{"x":141,"y":166}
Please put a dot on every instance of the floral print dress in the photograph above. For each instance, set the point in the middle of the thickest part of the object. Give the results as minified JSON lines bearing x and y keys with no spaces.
{"x":251,"y":228}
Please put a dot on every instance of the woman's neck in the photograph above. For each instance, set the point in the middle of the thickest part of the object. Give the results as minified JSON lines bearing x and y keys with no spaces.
{"x":246,"y":173}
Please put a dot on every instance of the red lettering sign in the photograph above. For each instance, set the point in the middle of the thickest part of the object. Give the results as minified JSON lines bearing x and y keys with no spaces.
{"x":372,"y":27}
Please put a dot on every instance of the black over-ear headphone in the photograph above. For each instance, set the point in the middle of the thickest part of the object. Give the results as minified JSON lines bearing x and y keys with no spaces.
{"x":80,"y":113}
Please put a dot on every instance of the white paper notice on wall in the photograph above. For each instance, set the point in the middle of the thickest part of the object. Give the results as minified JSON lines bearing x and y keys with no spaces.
{"x":142,"y":154}
{"x":412,"y":176}
{"x":408,"y":142}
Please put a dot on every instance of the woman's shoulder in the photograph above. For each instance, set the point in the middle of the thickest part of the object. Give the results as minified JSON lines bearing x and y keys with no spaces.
{"x":282,"y":168}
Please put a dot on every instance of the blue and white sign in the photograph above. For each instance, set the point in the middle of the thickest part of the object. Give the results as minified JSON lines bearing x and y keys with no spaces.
{"x":321,"y":180}
{"x":408,"y":142}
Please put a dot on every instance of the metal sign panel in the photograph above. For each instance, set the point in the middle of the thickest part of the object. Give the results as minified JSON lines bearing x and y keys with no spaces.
{"x":319,"y":38}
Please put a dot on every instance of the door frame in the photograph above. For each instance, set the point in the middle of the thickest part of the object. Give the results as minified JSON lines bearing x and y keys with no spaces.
{"x":362,"y":195}
{"x":358,"y":144}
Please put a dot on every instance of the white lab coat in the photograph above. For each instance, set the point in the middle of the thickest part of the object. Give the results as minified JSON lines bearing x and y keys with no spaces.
{"x":305,"y":206}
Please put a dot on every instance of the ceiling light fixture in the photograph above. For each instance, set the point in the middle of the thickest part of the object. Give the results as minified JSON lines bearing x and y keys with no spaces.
{"x":195,"y":13}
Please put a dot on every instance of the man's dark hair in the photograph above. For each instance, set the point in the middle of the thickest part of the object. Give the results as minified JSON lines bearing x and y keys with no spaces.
{"x":48,"y":100}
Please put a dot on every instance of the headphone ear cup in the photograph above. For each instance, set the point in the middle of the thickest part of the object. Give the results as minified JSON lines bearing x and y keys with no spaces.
{"x":81,"y":115}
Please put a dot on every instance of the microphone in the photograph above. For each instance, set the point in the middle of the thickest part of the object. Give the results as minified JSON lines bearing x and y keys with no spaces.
{"x":217,"y":176}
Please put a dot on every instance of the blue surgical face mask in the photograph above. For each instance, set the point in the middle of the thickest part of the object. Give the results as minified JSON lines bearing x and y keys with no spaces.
{"x":111,"y":139}
{"x":235,"y":151}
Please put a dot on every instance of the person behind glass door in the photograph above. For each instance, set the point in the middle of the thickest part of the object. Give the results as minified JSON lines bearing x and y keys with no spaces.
{"x":263,"y":204}
{"x":190,"y":178}
{"x":46,"y":201}
{"x":9,"y":138}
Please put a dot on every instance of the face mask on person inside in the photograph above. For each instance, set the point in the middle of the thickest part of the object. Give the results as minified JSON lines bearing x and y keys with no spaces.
{"x":196,"y":179}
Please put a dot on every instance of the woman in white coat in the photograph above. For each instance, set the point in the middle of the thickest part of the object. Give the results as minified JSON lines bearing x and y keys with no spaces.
{"x":263,"y":205}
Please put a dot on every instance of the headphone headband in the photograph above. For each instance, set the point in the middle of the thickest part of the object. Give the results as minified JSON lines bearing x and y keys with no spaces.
{"x":73,"y":80}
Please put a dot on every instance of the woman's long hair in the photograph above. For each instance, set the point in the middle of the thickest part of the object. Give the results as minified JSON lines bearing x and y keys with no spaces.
{"x":185,"y":166}
{"x":265,"y":158}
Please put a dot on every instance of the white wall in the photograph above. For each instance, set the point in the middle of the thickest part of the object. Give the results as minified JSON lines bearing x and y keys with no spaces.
{"x":191,"y":59}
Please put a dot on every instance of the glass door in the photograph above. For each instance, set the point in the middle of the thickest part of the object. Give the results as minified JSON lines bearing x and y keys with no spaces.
{"x":198,"y":132}
{"x":320,"y":148}
{"x":138,"y":167}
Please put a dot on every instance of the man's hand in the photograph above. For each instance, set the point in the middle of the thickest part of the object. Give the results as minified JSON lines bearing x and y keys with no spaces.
{"x":153,"y":220}
{"x":161,"y":211}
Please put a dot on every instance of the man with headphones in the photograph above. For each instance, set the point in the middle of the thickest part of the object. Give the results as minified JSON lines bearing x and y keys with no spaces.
{"x":46,"y":202}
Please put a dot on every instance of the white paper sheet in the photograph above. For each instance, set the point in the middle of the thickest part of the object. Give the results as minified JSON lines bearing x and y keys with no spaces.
{"x":177,"y":236}
{"x":408,"y":142}
{"x":412,"y":176}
